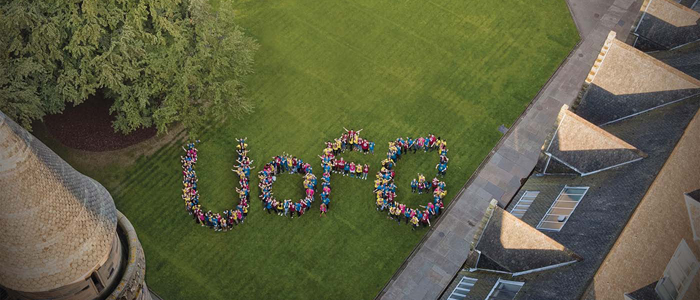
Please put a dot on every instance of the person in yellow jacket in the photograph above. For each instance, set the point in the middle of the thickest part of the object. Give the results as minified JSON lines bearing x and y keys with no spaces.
{"x":414,"y":222}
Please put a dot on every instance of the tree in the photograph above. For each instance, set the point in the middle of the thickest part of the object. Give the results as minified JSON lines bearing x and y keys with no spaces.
{"x":161,"y":61}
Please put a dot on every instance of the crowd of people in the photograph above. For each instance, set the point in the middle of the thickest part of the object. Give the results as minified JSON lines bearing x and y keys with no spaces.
{"x":385,"y":188}
{"x":286,"y":163}
{"x":348,"y":141}
{"x":229,"y":218}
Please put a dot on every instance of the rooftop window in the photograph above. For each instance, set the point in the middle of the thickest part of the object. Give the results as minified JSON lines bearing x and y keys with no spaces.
{"x":462,"y":289}
{"x":562,"y":208}
{"x":524,"y":203}
{"x":505,"y":290}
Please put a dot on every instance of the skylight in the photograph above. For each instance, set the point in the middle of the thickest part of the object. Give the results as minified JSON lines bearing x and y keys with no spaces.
{"x":505,"y":290}
{"x":462,"y":289}
{"x":524,"y":203}
{"x":562,"y":208}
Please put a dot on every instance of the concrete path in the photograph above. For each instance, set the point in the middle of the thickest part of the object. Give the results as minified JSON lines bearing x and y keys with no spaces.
{"x":442,"y":252}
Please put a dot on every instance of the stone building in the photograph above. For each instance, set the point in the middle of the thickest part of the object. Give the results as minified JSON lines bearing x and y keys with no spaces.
{"x":62,"y":237}
{"x":612,"y":209}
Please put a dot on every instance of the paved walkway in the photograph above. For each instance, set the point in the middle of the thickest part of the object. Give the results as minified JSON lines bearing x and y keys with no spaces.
{"x":442,"y":252}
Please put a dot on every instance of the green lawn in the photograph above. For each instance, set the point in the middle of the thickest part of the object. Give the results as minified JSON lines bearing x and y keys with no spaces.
{"x":457,"y":69}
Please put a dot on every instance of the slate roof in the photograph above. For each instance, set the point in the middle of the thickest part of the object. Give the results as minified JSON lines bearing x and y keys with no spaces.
{"x":613,"y":195}
{"x":601,"y":215}
{"x":686,"y":59}
{"x":510,"y":245}
{"x":586,"y":148}
{"x":627,"y":81}
{"x":666,"y":24}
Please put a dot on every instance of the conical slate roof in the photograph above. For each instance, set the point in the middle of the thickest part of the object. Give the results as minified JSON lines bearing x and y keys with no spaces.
{"x":57,"y":224}
{"x":625,"y":81}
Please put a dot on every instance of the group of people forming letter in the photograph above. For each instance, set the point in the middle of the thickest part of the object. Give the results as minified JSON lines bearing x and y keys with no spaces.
{"x":286,"y":163}
{"x":226,"y":220}
{"x":384,"y":185}
{"x":385,"y":188}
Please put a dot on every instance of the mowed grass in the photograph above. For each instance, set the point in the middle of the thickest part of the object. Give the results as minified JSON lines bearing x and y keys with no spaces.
{"x":457,"y":69}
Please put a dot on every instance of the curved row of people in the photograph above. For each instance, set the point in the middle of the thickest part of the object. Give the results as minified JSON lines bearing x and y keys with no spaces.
{"x":228,"y":219}
{"x":286,"y":163}
{"x":385,"y":187}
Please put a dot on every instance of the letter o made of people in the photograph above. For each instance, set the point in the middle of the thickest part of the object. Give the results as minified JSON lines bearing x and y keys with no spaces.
{"x":385,"y":187}
{"x":281,"y":164}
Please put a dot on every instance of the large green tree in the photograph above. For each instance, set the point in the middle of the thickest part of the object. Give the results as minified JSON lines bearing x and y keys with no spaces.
{"x":161,"y":61}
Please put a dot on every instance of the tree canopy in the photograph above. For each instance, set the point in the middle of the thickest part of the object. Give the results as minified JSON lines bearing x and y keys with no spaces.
{"x":161,"y":61}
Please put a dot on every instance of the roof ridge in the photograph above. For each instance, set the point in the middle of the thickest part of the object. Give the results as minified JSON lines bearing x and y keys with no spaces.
{"x":656,"y":62}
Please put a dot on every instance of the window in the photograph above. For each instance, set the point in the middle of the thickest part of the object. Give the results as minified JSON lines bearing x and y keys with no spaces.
{"x":97,"y":282}
{"x":463,"y":287}
{"x":524,"y":203}
{"x":562,"y":208}
{"x":679,"y":273}
{"x":504,"y":290}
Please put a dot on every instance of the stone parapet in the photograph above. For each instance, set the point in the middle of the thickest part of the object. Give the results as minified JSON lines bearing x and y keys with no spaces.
{"x":132,"y":285}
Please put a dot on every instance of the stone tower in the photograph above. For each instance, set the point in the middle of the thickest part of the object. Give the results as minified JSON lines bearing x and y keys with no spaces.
{"x":61,"y":236}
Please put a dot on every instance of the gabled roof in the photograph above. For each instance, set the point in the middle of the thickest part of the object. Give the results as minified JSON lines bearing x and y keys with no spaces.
{"x":507,"y":244}
{"x":625,"y":82}
{"x":666,"y":24}
{"x":586,"y":148}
